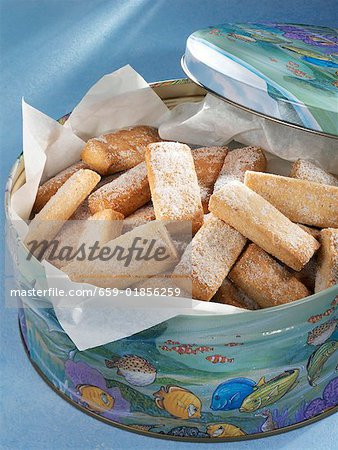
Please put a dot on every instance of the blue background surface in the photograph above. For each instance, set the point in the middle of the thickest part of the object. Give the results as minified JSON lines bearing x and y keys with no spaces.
{"x":51,"y":52}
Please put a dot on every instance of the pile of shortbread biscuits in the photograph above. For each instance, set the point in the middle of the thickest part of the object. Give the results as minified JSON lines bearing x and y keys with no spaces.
{"x":259,"y":239}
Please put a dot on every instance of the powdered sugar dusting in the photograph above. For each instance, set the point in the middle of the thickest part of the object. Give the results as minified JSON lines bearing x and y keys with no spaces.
{"x":307,"y":170}
{"x":237,"y":162}
{"x":175,"y":190}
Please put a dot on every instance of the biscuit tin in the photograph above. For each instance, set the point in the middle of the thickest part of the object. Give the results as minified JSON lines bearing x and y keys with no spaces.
{"x":205,"y":378}
{"x":287,"y":72}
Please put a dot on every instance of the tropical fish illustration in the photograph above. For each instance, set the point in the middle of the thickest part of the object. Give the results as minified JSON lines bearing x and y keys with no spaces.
{"x":233,"y":344}
{"x":224,"y":430}
{"x":215,"y":359}
{"x":183,"y":431}
{"x":178,"y":402}
{"x":318,"y":317}
{"x":95,"y":398}
{"x":184,"y":349}
{"x":322,"y":333}
{"x":306,"y":52}
{"x":268,"y":424}
{"x":136,"y":370}
{"x":230,"y":394}
{"x":318,"y":359}
{"x":271,"y":391}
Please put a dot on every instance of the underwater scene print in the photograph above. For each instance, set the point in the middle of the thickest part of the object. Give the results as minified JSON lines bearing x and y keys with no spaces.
{"x":189,"y":378}
{"x":299,"y":64}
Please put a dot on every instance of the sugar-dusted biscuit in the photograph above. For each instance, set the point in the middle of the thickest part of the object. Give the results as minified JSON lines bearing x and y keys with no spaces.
{"x":237,"y":162}
{"x":307,"y":170}
{"x":51,"y":186}
{"x":229,"y":294}
{"x":264,"y":280}
{"x":327,"y":273}
{"x":99,"y":228}
{"x":307,"y":275}
{"x":262,"y":223}
{"x":139,"y":217}
{"x":62,"y":205}
{"x":125,"y":194}
{"x":208,"y":258}
{"x":300,"y":200}
{"x":83,"y":211}
{"x":315,"y":232}
{"x":120,"y":150}
{"x":208,"y":163}
{"x":111,"y":271}
{"x":173,"y":183}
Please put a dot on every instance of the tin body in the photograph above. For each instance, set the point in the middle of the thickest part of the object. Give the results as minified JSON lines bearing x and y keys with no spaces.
{"x":206,"y":378}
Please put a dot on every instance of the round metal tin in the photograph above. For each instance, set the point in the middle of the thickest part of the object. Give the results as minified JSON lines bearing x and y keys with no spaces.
{"x":285,"y":72}
{"x":278,"y":370}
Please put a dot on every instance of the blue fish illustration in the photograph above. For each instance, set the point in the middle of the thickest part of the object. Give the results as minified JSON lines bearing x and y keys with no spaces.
{"x":230,"y":394}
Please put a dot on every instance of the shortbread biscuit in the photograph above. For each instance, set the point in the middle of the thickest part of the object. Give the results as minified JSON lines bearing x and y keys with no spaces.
{"x":262,"y":223}
{"x":265,"y":280}
{"x":50,"y":187}
{"x":125,"y":194}
{"x":315,"y":232}
{"x":139,"y":217}
{"x":327,"y":273}
{"x":120,"y":150}
{"x":229,"y":294}
{"x":62,"y":205}
{"x":307,"y":275}
{"x":173,"y":183}
{"x":111,"y":271}
{"x":208,"y":258}
{"x":208,"y":163}
{"x":307,"y":170}
{"x":237,"y":162}
{"x":83,"y":211}
{"x":300,"y":200}
{"x":99,"y":228}
{"x":102,"y":227}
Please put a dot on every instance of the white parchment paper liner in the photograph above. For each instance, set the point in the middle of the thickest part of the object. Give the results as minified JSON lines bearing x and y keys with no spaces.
{"x":120,"y":100}
{"x":214,"y":122}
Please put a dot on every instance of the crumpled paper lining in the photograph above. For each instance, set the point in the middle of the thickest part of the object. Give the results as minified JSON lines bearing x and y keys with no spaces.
{"x":118,"y":100}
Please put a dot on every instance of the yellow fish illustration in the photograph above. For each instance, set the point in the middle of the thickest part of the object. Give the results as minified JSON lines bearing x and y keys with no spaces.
{"x":224,"y":430}
{"x":178,"y":402}
{"x":95,"y":398}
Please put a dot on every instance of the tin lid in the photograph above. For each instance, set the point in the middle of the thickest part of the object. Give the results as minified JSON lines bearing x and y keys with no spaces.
{"x":286,"y":72}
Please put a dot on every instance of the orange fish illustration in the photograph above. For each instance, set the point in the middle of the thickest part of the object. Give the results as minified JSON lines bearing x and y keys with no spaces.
{"x":215,"y":359}
{"x":95,"y":399}
{"x":178,"y":402}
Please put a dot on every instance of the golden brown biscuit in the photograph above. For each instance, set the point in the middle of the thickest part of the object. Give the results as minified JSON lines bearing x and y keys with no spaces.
{"x":50,"y":187}
{"x":173,"y":183}
{"x":300,"y":200}
{"x":229,"y":294}
{"x":307,"y":170}
{"x":139,"y":217}
{"x":327,"y":273}
{"x":208,"y":258}
{"x":265,"y":280}
{"x":237,"y":162}
{"x":125,"y":194}
{"x":120,"y":150}
{"x":62,"y":205}
{"x":208,"y":163}
{"x":262,"y":223}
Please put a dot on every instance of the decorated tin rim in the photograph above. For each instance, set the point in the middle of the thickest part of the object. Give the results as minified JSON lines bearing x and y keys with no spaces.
{"x":252,"y":111}
{"x":152,"y":434}
{"x":197,"y":92}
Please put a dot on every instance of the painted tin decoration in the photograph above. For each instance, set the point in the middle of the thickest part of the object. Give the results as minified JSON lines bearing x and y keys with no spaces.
{"x":195,"y":378}
{"x":287,"y":72}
